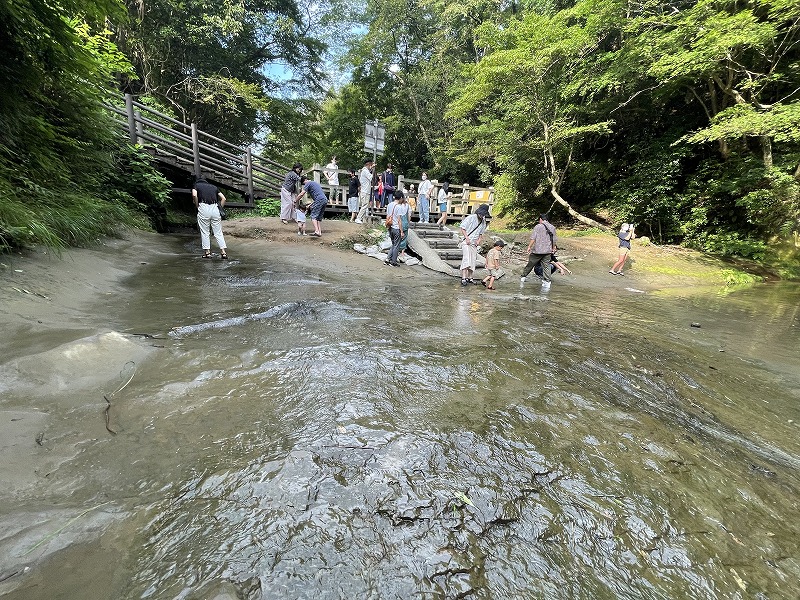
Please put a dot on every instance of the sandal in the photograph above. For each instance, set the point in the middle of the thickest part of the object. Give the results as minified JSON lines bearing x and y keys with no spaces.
{"x":490,"y":288}
{"x":223,"y":256}
{"x":207,"y":255}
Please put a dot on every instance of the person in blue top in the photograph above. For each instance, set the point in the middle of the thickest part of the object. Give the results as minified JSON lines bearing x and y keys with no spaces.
{"x":625,"y":235}
{"x":318,"y":203}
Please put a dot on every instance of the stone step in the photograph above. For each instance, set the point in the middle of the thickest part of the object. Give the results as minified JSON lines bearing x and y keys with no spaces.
{"x":443,"y":244}
{"x":430,"y":235}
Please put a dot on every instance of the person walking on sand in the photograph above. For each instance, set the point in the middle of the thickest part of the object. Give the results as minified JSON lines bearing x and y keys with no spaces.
{"x":208,"y":200}
{"x":423,"y":198}
{"x":625,"y":235}
{"x":289,"y":190}
{"x":442,"y":199}
{"x":493,"y":265}
{"x":352,"y":195}
{"x":396,"y":212}
{"x":541,"y":246}
{"x":364,"y":190}
{"x":472,"y":229}
{"x":318,"y":203}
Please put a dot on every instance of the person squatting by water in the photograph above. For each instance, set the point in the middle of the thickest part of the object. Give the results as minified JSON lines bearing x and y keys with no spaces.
{"x":289,"y":190}
{"x":318,"y":203}
{"x":541,"y":246}
{"x":625,"y":235}
{"x":493,"y":265}
{"x":396,"y":213}
{"x":352,"y":195}
{"x":364,"y":190}
{"x":472,"y":229}
{"x":208,"y":200}
{"x":423,"y":199}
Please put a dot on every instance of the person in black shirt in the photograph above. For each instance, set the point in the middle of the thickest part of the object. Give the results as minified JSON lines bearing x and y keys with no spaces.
{"x":208,"y":200}
{"x":352,"y":195}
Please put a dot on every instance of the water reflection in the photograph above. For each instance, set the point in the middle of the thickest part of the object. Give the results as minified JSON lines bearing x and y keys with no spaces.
{"x":506,"y":446}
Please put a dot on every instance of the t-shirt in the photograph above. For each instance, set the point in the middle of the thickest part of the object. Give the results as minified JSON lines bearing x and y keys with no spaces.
{"x":397,"y":211}
{"x":332,"y":173}
{"x":316,"y":192}
{"x":493,"y":258}
{"x":352,"y":189}
{"x":425,"y":187}
{"x":291,"y":182}
{"x":473,"y":227}
{"x":206,"y":192}
{"x":365,"y":179}
{"x":442,"y":196}
{"x":544,"y":238}
{"x":625,"y":239}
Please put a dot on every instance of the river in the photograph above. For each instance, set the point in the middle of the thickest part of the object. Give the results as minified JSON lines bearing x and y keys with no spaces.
{"x":303,"y":433}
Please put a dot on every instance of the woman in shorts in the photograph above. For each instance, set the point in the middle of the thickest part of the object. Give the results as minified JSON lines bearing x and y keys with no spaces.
{"x":442,"y":199}
{"x":625,"y":236}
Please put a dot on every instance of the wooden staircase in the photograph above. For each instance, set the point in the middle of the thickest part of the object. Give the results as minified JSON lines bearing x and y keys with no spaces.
{"x":442,"y":241}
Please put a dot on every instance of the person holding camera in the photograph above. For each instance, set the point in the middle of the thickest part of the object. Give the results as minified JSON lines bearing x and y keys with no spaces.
{"x":625,"y":235}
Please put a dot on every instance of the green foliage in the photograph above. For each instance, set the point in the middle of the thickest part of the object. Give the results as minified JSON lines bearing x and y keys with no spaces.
{"x":57,"y":143}
{"x":268,"y":207}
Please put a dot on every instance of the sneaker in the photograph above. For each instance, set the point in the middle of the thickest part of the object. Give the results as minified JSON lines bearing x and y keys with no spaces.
{"x":522,"y":279}
{"x":299,"y":233}
{"x":545,"y":284}
{"x":464,"y":282}
{"x":620,"y":273}
{"x":613,"y":272}
{"x":359,"y":221}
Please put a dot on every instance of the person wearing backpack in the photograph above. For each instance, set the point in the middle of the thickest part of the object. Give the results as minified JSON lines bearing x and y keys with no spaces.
{"x":540,"y":247}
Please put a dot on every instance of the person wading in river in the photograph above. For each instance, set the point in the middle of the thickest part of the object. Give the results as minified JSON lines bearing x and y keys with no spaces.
{"x":208,"y":200}
{"x":625,"y":235}
{"x":472,"y":229}
{"x":541,"y":246}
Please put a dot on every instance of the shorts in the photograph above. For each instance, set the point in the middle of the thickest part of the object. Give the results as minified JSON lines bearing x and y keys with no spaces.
{"x":299,"y":215}
{"x":317,"y":210}
{"x":443,"y":207}
{"x":624,"y":251}
{"x":496,"y":272}
{"x":352,"y":204}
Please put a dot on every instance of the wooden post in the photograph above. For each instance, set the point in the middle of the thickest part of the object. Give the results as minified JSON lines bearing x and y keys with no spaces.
{"x":131,"y":119}
{"x":196,"y":151}
{"x":249,"y":168}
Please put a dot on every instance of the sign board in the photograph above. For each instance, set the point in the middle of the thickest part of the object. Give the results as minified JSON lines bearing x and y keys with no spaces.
{"x":374,"y":137}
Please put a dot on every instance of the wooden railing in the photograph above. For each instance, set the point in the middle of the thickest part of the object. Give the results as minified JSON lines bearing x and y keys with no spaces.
{"x":462,"y":198}
{"x":202,"y":154}
{"x":232,"y":167}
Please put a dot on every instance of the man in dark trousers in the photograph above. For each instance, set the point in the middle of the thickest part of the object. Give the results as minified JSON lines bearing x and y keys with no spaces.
{"x":541,"y":246}
{"x":208,"y":200}
{"x":389,"y":185}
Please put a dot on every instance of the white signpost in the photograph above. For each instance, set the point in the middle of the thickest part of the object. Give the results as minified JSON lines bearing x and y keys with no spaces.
{"x":374,"y":138}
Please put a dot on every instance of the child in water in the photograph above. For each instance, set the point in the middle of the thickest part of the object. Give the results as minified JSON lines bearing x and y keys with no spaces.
{"x":493,"y":265}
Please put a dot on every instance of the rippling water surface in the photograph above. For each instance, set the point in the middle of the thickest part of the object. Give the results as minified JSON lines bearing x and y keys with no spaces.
{"x":306,"y":435}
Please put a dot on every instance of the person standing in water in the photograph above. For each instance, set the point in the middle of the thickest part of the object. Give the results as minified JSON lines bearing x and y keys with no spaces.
{"x":625,"y":235}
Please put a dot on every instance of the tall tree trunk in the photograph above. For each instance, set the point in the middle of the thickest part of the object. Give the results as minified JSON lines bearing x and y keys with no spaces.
{"x":766,"y":147}
{"x":575,"y":214}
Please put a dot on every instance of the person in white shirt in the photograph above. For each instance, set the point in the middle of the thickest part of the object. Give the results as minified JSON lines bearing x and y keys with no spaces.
{"x":472,"y":229}
{"x":331,"y":173}
{"x":396,"y":211}
{"x":365,"y":191}
{"x":423,"y":199}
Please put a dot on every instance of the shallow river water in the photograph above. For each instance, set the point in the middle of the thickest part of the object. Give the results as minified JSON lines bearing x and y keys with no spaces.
{"x":299,"y":434}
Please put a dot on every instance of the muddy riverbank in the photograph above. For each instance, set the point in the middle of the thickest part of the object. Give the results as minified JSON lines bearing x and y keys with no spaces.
{"x":273,"y":426}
